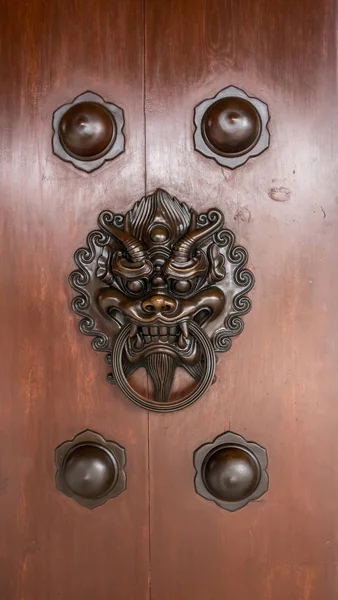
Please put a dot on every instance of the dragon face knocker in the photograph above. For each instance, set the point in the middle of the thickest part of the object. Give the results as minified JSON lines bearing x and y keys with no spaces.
{"x":161,"y":288}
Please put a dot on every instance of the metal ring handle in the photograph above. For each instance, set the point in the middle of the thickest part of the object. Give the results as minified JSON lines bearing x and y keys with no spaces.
{"x":209,"y":364}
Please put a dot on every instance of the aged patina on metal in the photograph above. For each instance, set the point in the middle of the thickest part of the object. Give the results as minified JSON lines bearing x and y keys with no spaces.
{"x":161,"y":288}
{"x":88,"y":132}
{"x":90,"y":469}
{"x":231,"y":471}
{"x":231,"y":127}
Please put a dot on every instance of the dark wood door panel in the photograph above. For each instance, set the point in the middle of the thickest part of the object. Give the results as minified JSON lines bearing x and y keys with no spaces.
{"x":277,"y":385}
{"x":52,"y":383}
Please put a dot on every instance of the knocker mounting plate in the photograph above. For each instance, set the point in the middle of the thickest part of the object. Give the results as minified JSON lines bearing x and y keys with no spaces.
{"x":161,"y":288}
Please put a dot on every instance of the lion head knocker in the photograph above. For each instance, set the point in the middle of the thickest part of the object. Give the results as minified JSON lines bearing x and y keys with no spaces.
{"x":161,"y":288}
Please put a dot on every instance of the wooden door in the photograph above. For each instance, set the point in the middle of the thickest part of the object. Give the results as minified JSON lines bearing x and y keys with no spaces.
{"x":277,"y":386}
{"x":53,"y":385}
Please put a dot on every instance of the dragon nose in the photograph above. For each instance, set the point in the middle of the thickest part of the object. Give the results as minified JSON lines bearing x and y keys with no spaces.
{"x":158,"y":304}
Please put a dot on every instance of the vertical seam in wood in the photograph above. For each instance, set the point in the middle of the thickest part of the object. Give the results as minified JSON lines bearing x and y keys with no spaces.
{"x":145,"y":97}
{"x":149,"y":515}
{"x":145,"y":193}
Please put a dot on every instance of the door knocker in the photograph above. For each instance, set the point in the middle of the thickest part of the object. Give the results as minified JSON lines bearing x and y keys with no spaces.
{"x":161,"y":288}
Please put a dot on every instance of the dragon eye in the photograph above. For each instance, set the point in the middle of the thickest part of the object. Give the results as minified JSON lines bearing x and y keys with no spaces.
{"x":135,"y":286}
{"x":183,"y":286}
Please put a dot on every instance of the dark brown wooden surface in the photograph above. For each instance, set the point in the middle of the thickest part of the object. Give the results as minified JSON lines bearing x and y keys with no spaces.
{"x":278,"y":384}
{"x":52,"y":383}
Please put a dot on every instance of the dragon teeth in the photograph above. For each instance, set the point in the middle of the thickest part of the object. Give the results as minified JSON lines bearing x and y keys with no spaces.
{"x":184,"y":328}
{"x":174,"y":334}
{"x":133,"y":330}
{"x":139,"y":342}
{"x":182,"y":342}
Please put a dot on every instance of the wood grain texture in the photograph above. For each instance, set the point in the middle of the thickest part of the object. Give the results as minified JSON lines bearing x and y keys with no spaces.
{"x":52,"y":382}
{"x":278,"y":384}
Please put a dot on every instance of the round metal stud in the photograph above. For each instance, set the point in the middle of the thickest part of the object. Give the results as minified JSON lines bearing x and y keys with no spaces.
{"x":231,"y":127}
{"x":90,"y":469}
{"x":231,"y":471}
{"x":88,"y":132}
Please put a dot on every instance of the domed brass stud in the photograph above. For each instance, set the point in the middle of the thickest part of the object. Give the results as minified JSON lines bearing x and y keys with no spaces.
{"x":90,"y":469}
{"x":231,"y":127}
{"x":88,"y":132}
{"x":231,"y":471}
